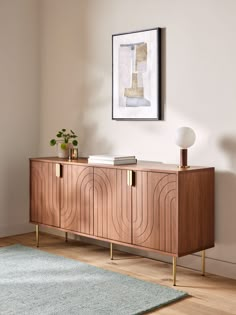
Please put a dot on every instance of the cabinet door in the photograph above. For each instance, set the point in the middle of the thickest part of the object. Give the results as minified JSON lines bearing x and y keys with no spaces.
{"x":112,"y":204}
{"x":44,"y":193}
{"x":77,"y":198}
{"x":154,"y":203}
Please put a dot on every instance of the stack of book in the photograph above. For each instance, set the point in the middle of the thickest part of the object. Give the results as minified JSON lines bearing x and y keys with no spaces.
{"x":112,"y":159}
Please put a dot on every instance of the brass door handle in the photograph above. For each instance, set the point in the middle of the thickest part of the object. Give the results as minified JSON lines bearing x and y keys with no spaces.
{"x":130,"y":178}
{"x":58,"y":170}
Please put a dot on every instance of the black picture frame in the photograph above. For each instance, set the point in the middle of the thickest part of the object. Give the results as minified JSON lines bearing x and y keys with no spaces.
{"x":149,"y":43}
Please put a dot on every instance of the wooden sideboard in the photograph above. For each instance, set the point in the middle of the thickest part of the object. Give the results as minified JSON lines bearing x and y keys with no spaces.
{"x":150,"y":206}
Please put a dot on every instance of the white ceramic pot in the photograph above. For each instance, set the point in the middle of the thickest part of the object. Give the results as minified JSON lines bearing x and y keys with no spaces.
{"x":62,"y":153}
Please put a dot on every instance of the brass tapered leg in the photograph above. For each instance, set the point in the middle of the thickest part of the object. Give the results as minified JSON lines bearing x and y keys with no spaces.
{"x":37,"y":234}
{"x":203,"y":262}
{"x":174,"y":270}
{"x":111,"y":252}
{"x":66,"y":237}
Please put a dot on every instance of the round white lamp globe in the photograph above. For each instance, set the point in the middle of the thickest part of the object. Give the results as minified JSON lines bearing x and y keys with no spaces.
{"x":185,"y":137}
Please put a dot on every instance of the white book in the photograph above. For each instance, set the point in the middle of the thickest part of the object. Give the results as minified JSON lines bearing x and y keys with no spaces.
{"x":111,"y":157}
{"x":117,"y":162}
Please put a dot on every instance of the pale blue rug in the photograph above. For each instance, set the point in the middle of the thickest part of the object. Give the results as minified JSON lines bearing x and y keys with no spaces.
{"x":33,"y":282}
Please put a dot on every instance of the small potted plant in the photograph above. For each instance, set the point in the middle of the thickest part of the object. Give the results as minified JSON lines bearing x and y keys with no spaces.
{"x":65,"y":141}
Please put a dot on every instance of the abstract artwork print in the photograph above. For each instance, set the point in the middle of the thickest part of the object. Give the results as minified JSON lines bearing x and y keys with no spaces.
{"x":136,"y":75}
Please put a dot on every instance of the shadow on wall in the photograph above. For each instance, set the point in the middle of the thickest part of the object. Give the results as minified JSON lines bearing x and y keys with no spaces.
{"x":92,"y":115}
{"x":163,"y":73}
{"x":17,"y":195}
{"x":225,"y":193}
{"x":228,"y":144}
{"x":102,"y":145}
{"x":225,"y":198}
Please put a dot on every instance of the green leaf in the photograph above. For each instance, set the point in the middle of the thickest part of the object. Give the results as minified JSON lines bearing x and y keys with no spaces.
{"x":53,"y":142}
{"x":72,"y":132}
{"x":59,"y":135}
{"x":75,"y":142}
{"x":63,"y":130}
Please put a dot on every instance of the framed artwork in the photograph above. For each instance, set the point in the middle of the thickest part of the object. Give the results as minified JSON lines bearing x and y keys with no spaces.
{"x":136,"y":75}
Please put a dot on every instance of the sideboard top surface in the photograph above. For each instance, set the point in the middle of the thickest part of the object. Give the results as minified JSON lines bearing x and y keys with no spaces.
{"x":140,"y":166}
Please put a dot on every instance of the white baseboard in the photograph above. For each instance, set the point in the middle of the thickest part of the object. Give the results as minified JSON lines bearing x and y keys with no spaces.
{"x":193,"y":261}
{"x":213,"y":266}
{"x":15,"y":229}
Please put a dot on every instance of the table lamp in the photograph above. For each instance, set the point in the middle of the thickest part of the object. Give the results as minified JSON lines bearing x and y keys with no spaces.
{"x":185,"y":138}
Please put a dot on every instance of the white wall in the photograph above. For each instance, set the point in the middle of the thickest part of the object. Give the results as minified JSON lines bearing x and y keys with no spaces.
{"x":61,"y":35}
{"x":200,"y":91}
{"x":19,"y":100}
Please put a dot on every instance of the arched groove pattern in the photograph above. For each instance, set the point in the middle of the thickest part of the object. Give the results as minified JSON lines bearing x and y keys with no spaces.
{"x":103,"y":197}
{"x":154,"y":211}
{"x":44,"y":200}
{"x":121,"y":217}
{"x":147,"y":227}
{"x":77,"y":198}
{"x":157,"y":212}
{"x":112,"y":204}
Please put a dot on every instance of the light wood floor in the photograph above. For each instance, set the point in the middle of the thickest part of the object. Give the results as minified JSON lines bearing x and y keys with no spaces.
{"x":209,"y":295}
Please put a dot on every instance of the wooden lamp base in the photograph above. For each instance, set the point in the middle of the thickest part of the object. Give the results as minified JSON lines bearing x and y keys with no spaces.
{"x":183,"y":158}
